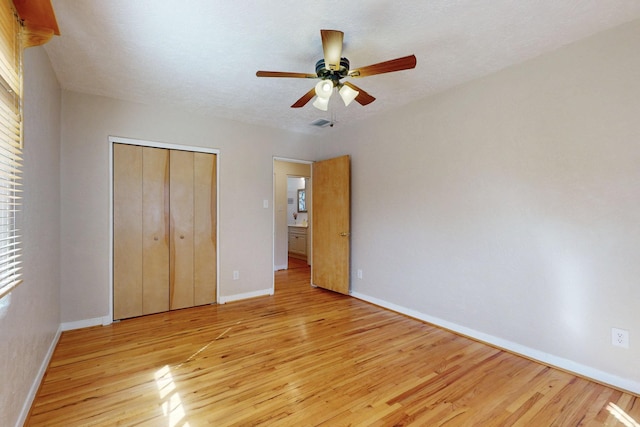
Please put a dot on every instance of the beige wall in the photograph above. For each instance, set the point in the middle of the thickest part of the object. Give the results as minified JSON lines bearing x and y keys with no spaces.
{"x":281,"y":170}
{"x":508,"y":208}
{"x":30,"y":315}
{"x":245,"y":181}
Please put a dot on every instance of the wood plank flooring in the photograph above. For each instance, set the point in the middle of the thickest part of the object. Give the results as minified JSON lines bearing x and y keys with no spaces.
{"x":306,"y":357}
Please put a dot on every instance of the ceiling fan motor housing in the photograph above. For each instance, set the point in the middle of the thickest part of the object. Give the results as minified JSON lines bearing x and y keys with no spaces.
{"x":334,"y":75}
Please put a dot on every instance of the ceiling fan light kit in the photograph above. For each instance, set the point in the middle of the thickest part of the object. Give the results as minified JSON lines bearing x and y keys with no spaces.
{"x":333,"y":67}
{"x":347,"y":94}
{"x":324,"y":89}
{"x":321,"y":103}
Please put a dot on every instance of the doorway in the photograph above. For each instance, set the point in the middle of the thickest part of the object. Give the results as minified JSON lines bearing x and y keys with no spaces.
{"x":328,"y":220}
{"x":291,"y":214}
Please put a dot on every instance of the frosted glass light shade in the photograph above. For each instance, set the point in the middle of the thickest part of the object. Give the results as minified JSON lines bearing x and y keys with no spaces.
{"x":324,"y":89}
{"x":347,"y":94}
{"x":321,"y":103}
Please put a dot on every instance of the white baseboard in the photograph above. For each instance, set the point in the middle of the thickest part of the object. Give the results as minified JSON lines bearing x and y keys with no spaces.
{"x":280,"y":267}
{"x":86,"y":323}
{"x":238,"y":297}
{"x":528,"y":352}
{"x":26,"y":407}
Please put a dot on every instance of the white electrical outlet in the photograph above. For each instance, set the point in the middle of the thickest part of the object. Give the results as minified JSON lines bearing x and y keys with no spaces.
{"x":620,"y":337}
{"x":359,"y":274}
{"x":236,"y":274}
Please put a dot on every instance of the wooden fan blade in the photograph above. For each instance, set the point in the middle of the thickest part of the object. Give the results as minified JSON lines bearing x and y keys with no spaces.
{"x":404,"y":63}
{"x":332,"y":48}
{"x":305,"y":98}
{"x":363,"y":97}
{"x":285,"y":74}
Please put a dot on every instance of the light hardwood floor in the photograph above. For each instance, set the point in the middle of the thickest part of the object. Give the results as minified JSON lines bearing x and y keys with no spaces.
{"x":306,"y":357}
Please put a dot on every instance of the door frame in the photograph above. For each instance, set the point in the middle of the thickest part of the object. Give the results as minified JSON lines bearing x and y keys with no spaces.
{"x":274,"y":211}
{"x":169,"y":146}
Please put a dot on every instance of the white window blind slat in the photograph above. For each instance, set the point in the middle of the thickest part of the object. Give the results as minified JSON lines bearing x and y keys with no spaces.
{"x":9,"y":276}
{"x":7,"y":246}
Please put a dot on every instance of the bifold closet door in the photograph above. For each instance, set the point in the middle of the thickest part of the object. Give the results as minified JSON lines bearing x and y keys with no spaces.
{"x":205,"y":217}
{"x":127,"y":231}
{"x":181,"y":269}
{"x":140,"y":230}
{"x":164,"y":225}
{"x":155,"y":230}
{"x":193,"y":213}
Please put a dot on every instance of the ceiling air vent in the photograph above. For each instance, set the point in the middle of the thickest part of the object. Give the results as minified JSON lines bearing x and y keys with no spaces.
{"x":321,"y":123}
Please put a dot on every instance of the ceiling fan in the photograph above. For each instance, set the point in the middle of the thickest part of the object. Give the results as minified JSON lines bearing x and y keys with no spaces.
{"x":333,"y":68}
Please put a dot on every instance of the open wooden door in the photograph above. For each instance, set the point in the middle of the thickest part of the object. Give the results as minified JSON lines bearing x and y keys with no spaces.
{"x":330,"y":224}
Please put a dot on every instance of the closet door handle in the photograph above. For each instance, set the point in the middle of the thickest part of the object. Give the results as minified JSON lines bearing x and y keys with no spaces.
{"x":155,"y":238}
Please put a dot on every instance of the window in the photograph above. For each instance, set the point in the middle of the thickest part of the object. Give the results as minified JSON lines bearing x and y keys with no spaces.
{"x":23,"y":23}
{"x":302,"y":200}
{"x":10,"y":145}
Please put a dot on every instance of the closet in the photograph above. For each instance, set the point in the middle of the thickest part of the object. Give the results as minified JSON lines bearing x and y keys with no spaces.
{"x":164,"y":229}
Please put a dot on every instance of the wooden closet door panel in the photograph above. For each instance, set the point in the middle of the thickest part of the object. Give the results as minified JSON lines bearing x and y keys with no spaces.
{"x":181,"y":229}
{"x":205,"y":212}
{"x":127,"y":231}
{"x":155,"y":235}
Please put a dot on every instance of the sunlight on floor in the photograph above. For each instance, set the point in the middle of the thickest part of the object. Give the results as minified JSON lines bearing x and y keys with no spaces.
{"x":621,"y":415}
{"x":171,"y":403}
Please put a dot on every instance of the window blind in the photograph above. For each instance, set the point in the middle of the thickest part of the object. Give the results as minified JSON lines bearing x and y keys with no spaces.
{"x":10,"y":146}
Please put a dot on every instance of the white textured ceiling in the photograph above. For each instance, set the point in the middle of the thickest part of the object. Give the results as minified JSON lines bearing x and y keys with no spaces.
{"x":202,"y":55}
